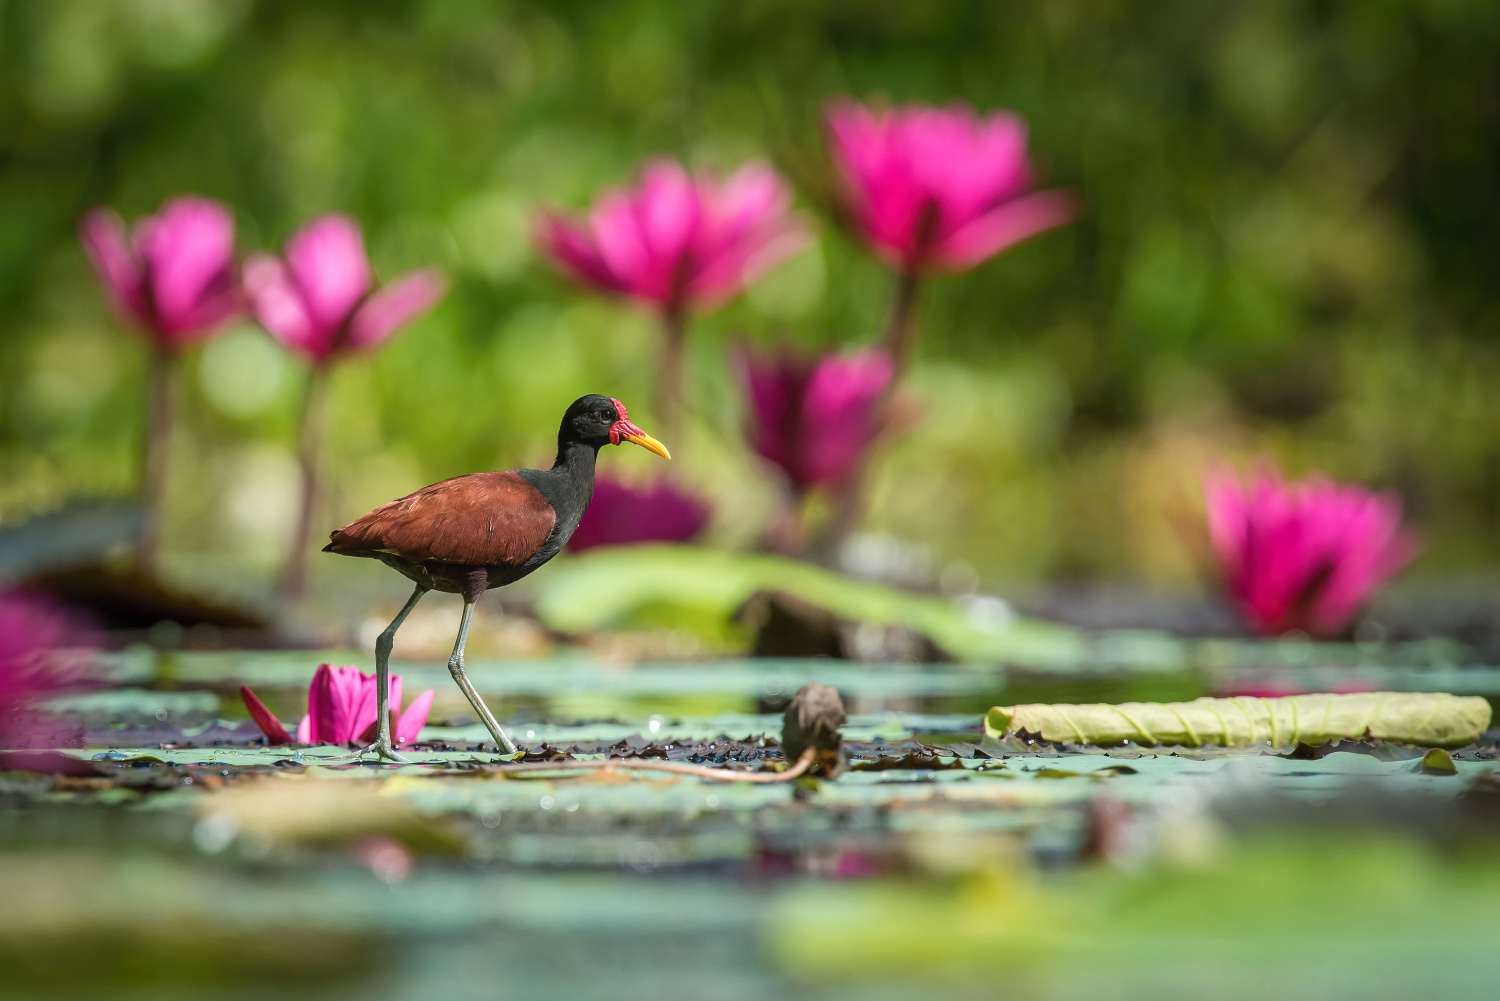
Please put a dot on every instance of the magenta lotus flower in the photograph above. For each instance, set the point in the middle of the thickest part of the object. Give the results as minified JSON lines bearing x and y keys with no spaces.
{"x":814,"y":419}
{"x":621,"y":514}
{"x":319,"y":301}
{"x":1303,"y":555}
{"x":31,"y":626}
{"x":173,"y":275}
{"x":677,"y":240}
{"x":341,"y":709}
{"x":938,"y":189}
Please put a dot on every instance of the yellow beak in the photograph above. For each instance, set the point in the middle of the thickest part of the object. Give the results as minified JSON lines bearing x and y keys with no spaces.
{"x":649,"y":443}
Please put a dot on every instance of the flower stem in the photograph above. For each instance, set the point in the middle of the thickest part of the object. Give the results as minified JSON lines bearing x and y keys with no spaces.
{"x":786,"y":535}
{"x":900,"y":333}
{"x":161,"y":406}
{"x":309,"y":448}
{"x":669,"y":374}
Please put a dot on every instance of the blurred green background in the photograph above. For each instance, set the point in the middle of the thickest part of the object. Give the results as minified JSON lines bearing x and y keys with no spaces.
{"x":1289,"y":247}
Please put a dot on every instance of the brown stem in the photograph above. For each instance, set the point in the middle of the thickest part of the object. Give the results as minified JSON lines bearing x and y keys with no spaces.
{"x":669,"y":375}
{"x":161,"y":405}
{"x":786,"y":535}
{"x":309,"y":449}
{"x":676,"y":767}
{"x":900,"y":333}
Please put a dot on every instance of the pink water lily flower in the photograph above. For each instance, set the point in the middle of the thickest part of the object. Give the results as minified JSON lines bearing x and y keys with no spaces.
{"x":173,"y":275}
{"x":677,"y":240}
{"x":1303,"y":555}
{"x":319,"y":300}
{"x":621,"y":514}
{"x":814,"y":418}
{"x":938,"y":189}
{"x":341,"y":709}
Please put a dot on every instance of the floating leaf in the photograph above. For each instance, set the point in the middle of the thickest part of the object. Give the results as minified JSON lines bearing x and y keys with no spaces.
{"x":1437,"y":720}
{"x":1438,"y":762}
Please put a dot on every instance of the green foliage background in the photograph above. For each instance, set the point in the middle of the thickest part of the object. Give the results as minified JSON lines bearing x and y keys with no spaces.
{"x":1289,"y":248}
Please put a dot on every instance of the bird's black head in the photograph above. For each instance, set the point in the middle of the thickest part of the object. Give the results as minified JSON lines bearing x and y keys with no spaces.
{"x":598,"y":421}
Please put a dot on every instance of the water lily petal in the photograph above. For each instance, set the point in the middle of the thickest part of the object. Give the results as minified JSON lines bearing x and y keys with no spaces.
{"x":1303,"y":555}
{"x":327,"y":260}
{"x":322,"y":708}
{"x":102,"y":233}
{"x":621,"y":514}
{"x":1009,"y":224}
{"x":677,"y":240}
{"x":414,"y":718}
{"x":188,"y":250}
{"x":929,"y":187}
{"x":572,"y":250}
{"x":279,"y":306}
{"x":264,"y":718}
{"x":394,"y":306}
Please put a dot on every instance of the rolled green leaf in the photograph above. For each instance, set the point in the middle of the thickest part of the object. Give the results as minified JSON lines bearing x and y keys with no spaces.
{"x":1432,"y":720}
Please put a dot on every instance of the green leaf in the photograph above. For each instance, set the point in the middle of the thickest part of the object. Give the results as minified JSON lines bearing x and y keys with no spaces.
{"x":1438,"y":720}
{"x":585,"y":594}
{"x":1438,"y":762}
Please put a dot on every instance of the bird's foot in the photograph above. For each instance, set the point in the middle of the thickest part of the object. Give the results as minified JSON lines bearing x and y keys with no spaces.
{"x":381,"y":749}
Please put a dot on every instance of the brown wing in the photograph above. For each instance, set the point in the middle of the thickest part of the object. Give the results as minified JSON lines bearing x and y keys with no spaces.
{"x":476,"y":520}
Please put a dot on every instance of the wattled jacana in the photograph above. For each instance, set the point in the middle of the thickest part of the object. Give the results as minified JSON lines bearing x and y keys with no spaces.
{"x":471,"y":533}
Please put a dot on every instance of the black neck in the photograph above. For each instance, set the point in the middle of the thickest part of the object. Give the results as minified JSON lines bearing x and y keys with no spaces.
{"x":576,"y":457}
{"x":568,"y":486}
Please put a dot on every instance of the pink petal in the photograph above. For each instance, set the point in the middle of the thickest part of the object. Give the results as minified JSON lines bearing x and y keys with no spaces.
{"x":742,"y":230}
{"x":322,"y":709}
{"x":572,"y":251}
{"x":815,"y":420}
{"x":621,"y":514}
{"x":414,"y":718}
{"x":395,"y":305}
{"x":350,"y":690}
{"x":773,"y":389}
{"x":188,"y":250}
{"x":929,"y":186}
{"x":328,"y":262}
{"x":366,"y":716}
{"x":838,"y":413}
{"x":363,"y":717}
{"x":677,"y":240}
{"x":305,"y":731}
{"x":668,"y":205}
{"x":1305,"y":555}
{"x":1004,"y":227}
{"x":280,"y":308}
{"x":753,"y":194}
{"x":268,"y":723}
{"x":102,"y":233}
{"x":618,"y":231}
{"x":333,"y":701}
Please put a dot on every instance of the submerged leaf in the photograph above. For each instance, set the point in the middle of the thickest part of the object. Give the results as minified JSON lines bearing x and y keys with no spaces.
{"x":1437,"y":720}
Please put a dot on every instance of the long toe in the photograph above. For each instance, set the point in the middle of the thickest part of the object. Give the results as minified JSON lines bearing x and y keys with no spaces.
{"x":351,"y":756}
{"x":389,"y":754}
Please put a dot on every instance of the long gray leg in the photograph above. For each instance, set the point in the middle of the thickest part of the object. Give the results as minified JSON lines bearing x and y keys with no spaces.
{"x":383,"y":644}
{"x":456,"y":668}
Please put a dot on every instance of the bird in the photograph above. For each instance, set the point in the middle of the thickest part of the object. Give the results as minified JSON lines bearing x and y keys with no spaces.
{"x":470,"y":533}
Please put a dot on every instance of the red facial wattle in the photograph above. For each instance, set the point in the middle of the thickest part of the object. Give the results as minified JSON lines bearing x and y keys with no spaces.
{"x":623,"y":430}
{"x":622,"y":427}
